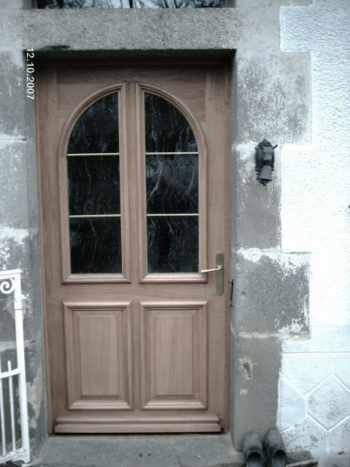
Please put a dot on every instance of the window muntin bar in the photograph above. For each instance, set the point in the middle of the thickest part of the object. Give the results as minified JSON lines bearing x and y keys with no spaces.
{"x":173,"y":215}
{"x":178,"y":153}
{"x":92,"y":216}
{"x":82,"y":154}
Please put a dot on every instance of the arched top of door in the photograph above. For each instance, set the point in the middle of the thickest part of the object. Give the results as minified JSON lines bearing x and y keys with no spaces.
{"x":142,"y":89}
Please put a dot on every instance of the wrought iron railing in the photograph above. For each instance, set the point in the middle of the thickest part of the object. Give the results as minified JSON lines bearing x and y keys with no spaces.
{"x":14,"y":446}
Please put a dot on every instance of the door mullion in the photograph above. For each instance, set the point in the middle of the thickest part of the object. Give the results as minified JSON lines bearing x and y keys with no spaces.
{"x":127,"y":170}
{"x":141,"y":182}
{"x":135,"y":194}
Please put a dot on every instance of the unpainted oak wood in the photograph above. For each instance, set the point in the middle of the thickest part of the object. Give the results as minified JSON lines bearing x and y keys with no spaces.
{"x":174,"y":349}
{"x":135,"y":352}
{"x":99,"y":355}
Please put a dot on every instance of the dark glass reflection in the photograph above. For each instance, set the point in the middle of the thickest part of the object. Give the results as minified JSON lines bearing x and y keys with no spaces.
{"x":172,"y":244}
{"x":95,"y":245}
{"x":131,"y":3}
{"x":167,"y":130}
{"x":94,"y":190}
{"x":93,"y":185}
{"x":172,"y":189}
{"x":172,"y":184}
{"x":97,"y":129}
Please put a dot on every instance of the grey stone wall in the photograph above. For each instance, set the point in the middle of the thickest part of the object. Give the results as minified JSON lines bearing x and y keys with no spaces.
{"x":19,"y":243}
{"x":271,"y":100}
{"x":57,"y":34}
{"x":314,"y":394}
{"x":271,"y":97}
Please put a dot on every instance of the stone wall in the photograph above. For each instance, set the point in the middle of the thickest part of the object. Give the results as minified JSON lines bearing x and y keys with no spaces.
{"x":314,"y":394}
{"x":272,"y":100}
{"x":290,"y":261}
{"x":19,"y":243}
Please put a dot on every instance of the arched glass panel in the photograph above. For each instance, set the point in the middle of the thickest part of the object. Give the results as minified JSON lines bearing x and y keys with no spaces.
{"x":172,"y":189}
{"x":94,"y":191}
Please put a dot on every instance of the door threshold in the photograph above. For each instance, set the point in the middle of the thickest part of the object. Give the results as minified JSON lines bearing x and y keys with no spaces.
{"x":179,"y":450}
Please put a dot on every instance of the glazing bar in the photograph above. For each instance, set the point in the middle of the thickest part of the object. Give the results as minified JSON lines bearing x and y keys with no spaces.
{"x":88,"y":216}
{"x":81,"y":154}
{"x":171,"y":153}
{"x":173,"y":215}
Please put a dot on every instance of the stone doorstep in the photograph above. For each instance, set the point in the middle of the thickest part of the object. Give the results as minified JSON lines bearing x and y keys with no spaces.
{"x":189,"y":450}
{"x":122,"y":465}
{"x":183,"y":450}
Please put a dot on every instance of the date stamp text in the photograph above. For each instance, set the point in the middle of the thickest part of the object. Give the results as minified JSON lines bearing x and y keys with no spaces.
{"x":30,"y":73}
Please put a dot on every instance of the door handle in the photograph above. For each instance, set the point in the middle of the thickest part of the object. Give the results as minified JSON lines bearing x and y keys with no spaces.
{"x":219,"y":269}
{"x":205,"y":271}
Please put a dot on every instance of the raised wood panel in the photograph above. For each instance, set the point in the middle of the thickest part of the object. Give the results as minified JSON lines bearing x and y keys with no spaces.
{"x":174,"y":350}
{"x":98,"y":349}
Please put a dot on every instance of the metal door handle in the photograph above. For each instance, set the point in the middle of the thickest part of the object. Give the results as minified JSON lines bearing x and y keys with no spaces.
{"x":219,"y":269}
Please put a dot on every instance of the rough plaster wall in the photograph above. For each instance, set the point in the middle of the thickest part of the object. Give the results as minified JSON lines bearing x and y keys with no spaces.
{"x":271,"y":99}
{"x":314,"y":395}
{"x":18,"y":212}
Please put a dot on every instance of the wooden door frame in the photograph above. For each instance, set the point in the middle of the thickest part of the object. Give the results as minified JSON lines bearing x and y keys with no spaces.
{"x":227,"y":208}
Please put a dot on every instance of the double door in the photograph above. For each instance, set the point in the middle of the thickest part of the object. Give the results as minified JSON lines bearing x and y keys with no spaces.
{"x":135,"y":192}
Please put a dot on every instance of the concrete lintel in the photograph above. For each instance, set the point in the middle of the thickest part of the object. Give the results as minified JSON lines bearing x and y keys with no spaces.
{"x":131,"y":30}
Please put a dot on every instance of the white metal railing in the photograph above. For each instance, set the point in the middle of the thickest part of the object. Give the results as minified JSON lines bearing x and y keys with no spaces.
{"x":16,"y":448}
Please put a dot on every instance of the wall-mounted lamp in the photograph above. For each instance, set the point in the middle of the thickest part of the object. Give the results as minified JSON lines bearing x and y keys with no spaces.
{"x":264,"y":161}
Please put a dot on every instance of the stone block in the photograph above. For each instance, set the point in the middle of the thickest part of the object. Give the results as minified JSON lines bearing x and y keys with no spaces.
{"x":306,"y":436}
{"x":342,"y":367}
{"x":323,"y":339}
{"x":13,"y":179}
{"x":271,"y":292}
{"x":11,"y":30}
{"x":306,"y":371}
{"x":254,"y":385}
{"x":291,"y":406}
{"x":277,"y":85}
{"x":12,"y":78}
{"x":257,"y":206}
{"x":329,"y":403}
{"x":132,"y":30}
{"x":338,"y":438}
{"x":15,"y":4}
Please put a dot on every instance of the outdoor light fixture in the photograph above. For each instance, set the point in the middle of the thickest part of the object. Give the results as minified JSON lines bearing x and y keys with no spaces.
{"x":264,"y":161}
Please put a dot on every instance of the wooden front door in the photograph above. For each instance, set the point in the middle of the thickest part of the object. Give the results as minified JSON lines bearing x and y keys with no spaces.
{"x":135,"y":193}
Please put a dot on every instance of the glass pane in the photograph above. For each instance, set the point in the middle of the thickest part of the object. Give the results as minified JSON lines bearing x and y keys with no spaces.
{"x":93,"y":185}
{"x":171,"y":189}
{"x":94,"y":190}
{"x":167,"y":130}
{"x":131,"y":3}
{"x":172,"y":184}
{"x":96,"y":130}
{"x":172,"y":244}
{"x":95,"y":245}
